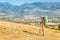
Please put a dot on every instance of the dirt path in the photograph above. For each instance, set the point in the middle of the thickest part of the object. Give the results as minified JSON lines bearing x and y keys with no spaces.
{"x":14,"y":31}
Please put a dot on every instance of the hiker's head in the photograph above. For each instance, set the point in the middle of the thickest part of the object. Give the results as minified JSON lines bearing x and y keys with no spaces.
{"x":42,"y":17}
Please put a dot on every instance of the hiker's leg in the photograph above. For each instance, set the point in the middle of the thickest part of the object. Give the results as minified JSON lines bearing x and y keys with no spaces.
{"x":43,"y":30}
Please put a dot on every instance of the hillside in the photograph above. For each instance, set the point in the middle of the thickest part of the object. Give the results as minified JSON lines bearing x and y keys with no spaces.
{"x":15,"y":31}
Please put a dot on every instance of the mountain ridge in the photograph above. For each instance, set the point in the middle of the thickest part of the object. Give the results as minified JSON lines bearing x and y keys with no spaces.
{"x":35,"y":9}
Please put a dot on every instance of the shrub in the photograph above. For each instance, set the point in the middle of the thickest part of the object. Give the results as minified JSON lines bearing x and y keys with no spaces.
{"x":26,"y":22}
{"x":59,"y":26}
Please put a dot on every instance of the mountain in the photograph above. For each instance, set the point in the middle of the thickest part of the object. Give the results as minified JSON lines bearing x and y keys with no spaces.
{"x":44,"y":6}
{"x":29,"y":10}
{"x":38,"y":8}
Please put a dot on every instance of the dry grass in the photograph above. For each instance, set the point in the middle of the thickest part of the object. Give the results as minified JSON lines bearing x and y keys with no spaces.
{"x":14,"y":31}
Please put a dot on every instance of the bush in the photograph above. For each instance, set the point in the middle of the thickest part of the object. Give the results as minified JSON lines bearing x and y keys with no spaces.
{"x":26,"y":22}
{"x":59,"y":26}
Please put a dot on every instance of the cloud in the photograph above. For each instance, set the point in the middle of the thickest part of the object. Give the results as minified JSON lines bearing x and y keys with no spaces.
{"x":2,"y":14}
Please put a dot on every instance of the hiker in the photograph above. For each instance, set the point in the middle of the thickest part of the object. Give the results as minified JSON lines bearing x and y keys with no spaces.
{"x":44,"y":23}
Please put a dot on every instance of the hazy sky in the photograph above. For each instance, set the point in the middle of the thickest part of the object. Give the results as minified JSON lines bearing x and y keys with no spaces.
{"x":19,"y":2}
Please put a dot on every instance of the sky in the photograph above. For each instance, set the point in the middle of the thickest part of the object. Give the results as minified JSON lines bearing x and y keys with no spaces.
{"x":19,"y":2}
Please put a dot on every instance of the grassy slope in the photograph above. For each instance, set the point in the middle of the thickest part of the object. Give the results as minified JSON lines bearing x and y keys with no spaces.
{"x":14,"y":31}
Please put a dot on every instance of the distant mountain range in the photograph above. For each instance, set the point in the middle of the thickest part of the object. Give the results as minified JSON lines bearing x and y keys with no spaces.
{"x":29,"y":10}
